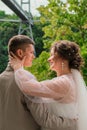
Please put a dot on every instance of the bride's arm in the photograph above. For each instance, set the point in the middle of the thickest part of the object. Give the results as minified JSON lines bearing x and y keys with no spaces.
{"x":50,"y":88}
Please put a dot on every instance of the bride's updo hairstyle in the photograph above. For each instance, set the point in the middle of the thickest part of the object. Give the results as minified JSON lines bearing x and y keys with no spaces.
{"x":69,"y":51}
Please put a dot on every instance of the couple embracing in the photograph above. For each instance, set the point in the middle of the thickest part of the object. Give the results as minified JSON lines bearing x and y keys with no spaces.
{"x":56,"y":104}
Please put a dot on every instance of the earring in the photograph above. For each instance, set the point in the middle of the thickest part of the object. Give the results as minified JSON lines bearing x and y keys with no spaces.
{"x":62,"y":66}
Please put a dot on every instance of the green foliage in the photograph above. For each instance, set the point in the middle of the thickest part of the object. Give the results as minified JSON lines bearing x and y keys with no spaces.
{"x":38,"y":34}
{"x":65,"y":20}
{"x":7,"y":30}
{"x":3,"y":62}
{"x":2,"y":14}
{"x":84,"y":54}
{"x":40,"y":67}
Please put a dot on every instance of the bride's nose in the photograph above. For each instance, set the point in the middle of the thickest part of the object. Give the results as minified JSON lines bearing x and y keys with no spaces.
{"x":49,"y":59}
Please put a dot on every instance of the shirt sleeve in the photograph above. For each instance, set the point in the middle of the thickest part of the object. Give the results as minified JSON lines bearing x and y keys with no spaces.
{"x":56,"y":88}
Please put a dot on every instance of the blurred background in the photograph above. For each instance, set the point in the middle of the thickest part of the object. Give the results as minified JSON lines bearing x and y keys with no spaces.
{"x":45,"y":21}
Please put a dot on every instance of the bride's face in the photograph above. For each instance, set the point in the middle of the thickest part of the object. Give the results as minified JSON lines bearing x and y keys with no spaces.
{"x":55,"y":61}
{"x":29,"y":53}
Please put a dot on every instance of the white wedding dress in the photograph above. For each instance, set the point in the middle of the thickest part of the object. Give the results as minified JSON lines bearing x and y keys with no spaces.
{"x":68,"y":90}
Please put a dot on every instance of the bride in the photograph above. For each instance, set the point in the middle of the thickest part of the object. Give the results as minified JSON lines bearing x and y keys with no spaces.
{"x":67,"y":91}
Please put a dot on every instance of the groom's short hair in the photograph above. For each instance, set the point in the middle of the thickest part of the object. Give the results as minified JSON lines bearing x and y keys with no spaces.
{"x":19,"y":42}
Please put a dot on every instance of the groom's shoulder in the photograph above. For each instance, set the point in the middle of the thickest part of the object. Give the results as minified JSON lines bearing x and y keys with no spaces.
{"x":7,"y":75}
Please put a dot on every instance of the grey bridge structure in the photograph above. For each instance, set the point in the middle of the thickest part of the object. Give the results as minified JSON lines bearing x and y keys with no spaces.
{"x":25,"y":17}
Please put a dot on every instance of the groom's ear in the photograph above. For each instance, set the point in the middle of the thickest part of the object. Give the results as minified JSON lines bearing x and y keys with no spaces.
{"x":20,"y":53}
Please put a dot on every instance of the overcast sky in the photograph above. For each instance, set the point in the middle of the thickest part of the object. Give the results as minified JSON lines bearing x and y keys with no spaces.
{"x":34,"y":4}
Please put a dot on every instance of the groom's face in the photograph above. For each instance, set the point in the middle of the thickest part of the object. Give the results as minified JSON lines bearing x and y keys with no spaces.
{"x":29,"y":53}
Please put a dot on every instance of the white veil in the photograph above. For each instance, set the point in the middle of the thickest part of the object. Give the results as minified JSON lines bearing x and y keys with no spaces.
{"x":81,"y":99}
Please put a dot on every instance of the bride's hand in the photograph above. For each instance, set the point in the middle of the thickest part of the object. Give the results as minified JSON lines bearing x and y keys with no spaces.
{"x":15,"y":62}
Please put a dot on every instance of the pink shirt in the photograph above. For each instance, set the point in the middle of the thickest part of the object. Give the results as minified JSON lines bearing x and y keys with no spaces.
{"x":61,"y":88}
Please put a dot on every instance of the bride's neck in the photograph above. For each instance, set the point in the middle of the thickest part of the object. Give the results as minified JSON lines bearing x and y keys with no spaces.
{"x":63,"y":72}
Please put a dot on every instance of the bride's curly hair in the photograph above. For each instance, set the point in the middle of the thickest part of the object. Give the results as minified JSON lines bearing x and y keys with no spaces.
{"x":69,"y":51}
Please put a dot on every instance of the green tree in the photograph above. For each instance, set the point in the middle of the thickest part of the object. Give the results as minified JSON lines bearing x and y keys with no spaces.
{"x":38,"y":34}
{"x":7,"y":30}
{"x":65,"y":20}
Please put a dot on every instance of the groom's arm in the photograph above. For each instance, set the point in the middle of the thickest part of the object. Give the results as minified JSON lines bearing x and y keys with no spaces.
{"x":40,"y":113}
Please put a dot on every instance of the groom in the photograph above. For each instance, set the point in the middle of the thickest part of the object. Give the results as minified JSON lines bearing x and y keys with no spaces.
{"x":16,"y":111}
